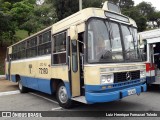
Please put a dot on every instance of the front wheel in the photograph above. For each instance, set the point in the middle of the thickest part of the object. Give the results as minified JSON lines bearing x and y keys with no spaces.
{"x":62,"y":97}
{"x":22,"y":89}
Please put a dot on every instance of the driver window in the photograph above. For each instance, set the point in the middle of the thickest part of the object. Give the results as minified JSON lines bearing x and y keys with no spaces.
{"x":128,"y":38}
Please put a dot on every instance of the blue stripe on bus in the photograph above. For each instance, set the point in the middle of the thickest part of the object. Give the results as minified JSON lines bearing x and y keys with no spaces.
{"x":13,"y":78}
{"x":40,"y":84}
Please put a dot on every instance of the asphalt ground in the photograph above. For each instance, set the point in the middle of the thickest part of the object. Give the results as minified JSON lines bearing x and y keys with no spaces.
{"x":12,"y":100}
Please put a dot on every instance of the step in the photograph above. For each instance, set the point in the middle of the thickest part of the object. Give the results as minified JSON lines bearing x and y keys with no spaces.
{"x":81,"y":99}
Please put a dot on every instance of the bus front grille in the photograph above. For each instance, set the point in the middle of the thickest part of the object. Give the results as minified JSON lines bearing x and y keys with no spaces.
{"x":126,"y":76}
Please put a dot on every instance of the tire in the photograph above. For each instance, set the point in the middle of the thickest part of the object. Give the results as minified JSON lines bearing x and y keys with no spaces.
{"x":62,"y":97}
{"x":22,"y":89}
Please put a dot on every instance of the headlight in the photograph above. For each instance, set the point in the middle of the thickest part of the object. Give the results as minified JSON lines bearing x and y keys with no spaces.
{"x":107,"y":79}
{"x":142,"y":74}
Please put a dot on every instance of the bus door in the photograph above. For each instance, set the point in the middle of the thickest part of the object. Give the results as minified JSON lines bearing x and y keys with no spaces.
{"x":150,"y":65}
{"x":74,"y":63}
{"x":156,"y":61}
{"x":75,"y":68}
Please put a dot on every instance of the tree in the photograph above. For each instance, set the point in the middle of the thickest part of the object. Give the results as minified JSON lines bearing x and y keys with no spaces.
{"x":158,"y":18}
{"x":21,"y":11}
{"x":146,"y":9}
{"x":31,"y":25}
{"x":64,"y":8}
{"x":124,"y":4}
{"x":138,"y":17}
{"x":92,"y":3}
{"x":6,"y":24}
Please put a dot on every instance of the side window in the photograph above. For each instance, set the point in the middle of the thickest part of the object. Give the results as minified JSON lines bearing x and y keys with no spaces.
{"x":32,"y":47}
{"x":19,"y":51}
{"x":59,"y":48}
{"x":22,"y":52}
{"x":44,"y":46}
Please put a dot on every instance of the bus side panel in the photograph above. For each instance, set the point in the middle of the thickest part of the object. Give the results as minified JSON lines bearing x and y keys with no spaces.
{"x":31,"y":82}
{"x":34,"y":75}
{"x":61,"y":72}
{"x":45,"y":86}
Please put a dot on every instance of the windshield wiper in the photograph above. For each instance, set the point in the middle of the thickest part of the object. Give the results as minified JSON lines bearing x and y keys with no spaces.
{"x":107,"y":54}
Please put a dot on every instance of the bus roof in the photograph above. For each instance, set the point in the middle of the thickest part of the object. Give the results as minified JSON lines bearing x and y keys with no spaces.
{"x":82,"y":16}
{"x":76,"y":19}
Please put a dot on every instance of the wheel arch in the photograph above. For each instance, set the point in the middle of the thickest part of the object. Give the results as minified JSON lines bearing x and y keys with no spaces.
{"x":54,"y":85}
{"x":17,"y":77}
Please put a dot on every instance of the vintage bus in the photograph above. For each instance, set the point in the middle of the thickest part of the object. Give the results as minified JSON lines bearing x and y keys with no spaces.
{"x":91,"y":56}
{"x":150,"y":51}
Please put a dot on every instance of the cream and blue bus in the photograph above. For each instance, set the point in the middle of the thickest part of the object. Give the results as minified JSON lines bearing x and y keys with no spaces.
{"x":91,"y":56}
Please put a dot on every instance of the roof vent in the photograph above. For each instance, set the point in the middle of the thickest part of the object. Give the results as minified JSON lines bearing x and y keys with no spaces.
{"x":108,"y":6}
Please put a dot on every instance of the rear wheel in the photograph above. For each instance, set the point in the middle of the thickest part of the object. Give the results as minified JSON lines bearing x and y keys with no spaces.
{"x":62,"y":97}
{"x":22,"y":89}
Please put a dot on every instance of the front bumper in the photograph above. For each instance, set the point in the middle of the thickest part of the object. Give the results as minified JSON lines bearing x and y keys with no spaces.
{"x":93,"y":97}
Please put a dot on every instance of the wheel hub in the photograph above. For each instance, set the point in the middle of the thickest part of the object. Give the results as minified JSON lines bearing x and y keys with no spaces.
{"x":20,"y":85}
{"x":63,"y":94}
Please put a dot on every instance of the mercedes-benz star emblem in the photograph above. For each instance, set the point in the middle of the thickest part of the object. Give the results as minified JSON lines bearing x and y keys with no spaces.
{"x":128,"y":76}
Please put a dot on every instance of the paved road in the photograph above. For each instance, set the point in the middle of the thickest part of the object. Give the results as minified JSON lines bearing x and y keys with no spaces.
{"x":36,"y":101}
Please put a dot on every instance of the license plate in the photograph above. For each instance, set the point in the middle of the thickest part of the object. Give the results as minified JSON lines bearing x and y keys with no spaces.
{"x":132,"y":91}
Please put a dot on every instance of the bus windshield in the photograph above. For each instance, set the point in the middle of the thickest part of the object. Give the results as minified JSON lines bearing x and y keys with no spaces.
{"x":105,"y":42}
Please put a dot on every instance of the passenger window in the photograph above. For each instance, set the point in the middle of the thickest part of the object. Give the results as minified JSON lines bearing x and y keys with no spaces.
{"x":60,"y":42}
{"x":59,"y":49}
{"x":44,"y":44}
{"x":32,"y":47}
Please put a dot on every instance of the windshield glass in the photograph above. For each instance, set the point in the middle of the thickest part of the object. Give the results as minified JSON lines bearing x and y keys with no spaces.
{"x":100,"y":47}
{"x":130,"y":43}
{"x":105,"y":42}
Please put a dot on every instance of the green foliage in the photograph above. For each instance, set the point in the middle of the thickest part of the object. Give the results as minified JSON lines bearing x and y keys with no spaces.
{"x":7,"y":26}
{"x":45,"y":15}
{"x":92,"y":3}
{"x":141,"y":22}
{"x":31,"y":17}
{"x":137,"y":16}
{"x":38,"y":18}
{"x":145,"y":9}
{"x":21,"y":34}
{"x":21,"y":11}
{"x":65,"y":8}
{"x":124,"y":4}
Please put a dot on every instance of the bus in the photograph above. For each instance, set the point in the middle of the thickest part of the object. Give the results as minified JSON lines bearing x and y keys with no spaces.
{"x":91,"y":57}
{"x":150,"y":51}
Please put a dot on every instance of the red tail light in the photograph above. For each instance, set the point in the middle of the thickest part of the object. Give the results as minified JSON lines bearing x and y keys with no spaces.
{"x":150,"y":66}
